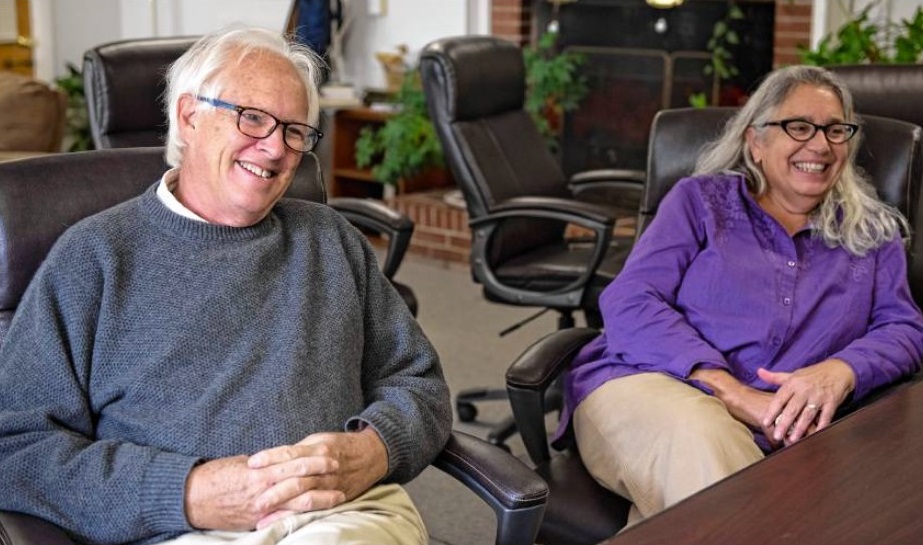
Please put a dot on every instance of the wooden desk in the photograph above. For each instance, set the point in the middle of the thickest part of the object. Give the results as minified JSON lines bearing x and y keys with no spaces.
{"x":860,"y":481}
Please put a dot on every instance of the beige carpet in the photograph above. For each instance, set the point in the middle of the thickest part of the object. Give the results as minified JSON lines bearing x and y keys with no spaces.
{"x":464,"y":328}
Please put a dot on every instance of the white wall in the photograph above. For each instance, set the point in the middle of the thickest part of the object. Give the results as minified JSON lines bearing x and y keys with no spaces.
{"x":65,"y":29}
{"x":413,"y":23}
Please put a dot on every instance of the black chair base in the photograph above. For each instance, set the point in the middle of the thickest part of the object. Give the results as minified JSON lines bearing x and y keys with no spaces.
{"x":465,"y":400}
{"x":468,"y":412}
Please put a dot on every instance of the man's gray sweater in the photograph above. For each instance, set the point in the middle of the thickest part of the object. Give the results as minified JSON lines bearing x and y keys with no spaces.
{"x":148,"y":342}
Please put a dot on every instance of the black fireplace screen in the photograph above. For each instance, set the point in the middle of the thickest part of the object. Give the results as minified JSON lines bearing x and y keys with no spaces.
{"x":641,"y":60}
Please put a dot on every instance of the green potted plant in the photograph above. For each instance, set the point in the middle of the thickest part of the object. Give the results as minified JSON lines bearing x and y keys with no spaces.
{"x":554,"y":85}
{"x":861,"y":40}
{"x":406,"y":145}
{"x":721,"y":63}
{"x":78,"y":119}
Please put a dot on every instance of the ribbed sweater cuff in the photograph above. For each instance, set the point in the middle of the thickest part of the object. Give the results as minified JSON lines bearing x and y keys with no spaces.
{"x":163,"y":493}
{"x":394,"y":437}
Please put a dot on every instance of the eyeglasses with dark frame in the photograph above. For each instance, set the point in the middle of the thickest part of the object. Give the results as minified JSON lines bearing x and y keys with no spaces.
{"x":801,"y":130}
{"x":256,"y":123}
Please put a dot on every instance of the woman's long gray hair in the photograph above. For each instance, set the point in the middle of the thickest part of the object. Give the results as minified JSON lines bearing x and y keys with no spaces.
{"x":850,"y":215}
{"x":197,"y":72}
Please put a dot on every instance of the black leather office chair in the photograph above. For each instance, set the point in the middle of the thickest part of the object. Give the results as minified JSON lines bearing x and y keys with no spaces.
{"x":519,"y":201}
{"x":890,"y":90}
{"x":40,"y":197}
{"x":124,"y":86}
{"x":124,"y":82}
{"x":887,"y":90}
{"x":580,"y":511}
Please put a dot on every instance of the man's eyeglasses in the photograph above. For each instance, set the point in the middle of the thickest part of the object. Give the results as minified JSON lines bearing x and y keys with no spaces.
{"x":802,"y":131}
{"x":256,"y":123}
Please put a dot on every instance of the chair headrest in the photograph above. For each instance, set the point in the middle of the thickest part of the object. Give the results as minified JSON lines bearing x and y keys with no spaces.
{"x":124,"y":84}
{"x":475,"y":64}
{"x":677,"y":136}
{"x":888,"y":90}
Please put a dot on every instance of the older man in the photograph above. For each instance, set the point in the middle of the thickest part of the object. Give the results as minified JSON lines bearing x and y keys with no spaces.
{"x":211,"y":363}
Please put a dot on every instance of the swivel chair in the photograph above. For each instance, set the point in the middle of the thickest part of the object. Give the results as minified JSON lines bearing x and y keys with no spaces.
{"x":519,"y":201}
{"x":890,"y":90}
{"x":124,"y":82}
{"x":887,"y":90}
{"x":41,"y":196}
{"x":580,"y":511}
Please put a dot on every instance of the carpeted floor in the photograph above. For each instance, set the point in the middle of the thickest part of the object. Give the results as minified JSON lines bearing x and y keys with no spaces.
{"x":464,"y":328}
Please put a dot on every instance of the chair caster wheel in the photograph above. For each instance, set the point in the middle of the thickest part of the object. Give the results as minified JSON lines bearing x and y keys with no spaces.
{"x":467,"y":412}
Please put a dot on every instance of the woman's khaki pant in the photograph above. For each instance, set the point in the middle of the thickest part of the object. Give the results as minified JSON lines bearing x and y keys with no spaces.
{"x":385,"y":515}
{"x":656,"y":440}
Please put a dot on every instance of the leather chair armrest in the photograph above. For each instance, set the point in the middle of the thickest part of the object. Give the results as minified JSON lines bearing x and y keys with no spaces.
{"x":378,"y":217}
{"x":608,"y":190}
{"x":587,"y":214}
{"x":592,"y":216}
{"x":516,"y":493}
{"x":604,"y":175}
{"x":22,"y":529}
{"x":620,"y":190}
{"x":530,"y":376}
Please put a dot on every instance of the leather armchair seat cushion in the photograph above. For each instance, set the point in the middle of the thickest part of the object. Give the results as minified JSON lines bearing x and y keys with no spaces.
{"x":591,"y":512}
{"x":32,"y":114}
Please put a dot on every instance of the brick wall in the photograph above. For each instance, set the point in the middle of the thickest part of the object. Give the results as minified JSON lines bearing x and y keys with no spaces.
{"x":511,"y":20}
{"x":793,"y":28}
{"x":440,"y":230}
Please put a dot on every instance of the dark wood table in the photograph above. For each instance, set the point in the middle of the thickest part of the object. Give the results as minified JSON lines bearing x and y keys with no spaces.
{"x":860,"y":481}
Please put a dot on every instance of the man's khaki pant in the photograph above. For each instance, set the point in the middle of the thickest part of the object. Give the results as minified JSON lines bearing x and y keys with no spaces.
{"x":656,"y":440}
{"x":385,"y":515}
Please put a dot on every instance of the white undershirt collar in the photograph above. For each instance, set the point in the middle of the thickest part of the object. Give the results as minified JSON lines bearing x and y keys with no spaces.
{"x":166,"y":196}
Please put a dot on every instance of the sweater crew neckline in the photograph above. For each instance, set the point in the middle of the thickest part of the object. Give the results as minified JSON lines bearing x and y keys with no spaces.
{"x":160,"y":215}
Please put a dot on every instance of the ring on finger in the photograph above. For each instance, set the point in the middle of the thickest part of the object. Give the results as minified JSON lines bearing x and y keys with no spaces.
{"x":811,"y":407}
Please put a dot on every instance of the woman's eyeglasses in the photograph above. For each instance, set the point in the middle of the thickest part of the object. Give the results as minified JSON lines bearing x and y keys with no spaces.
{"x":802,"y":131}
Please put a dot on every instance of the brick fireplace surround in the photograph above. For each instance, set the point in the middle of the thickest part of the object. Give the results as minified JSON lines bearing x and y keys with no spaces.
{"x":442,"y":230}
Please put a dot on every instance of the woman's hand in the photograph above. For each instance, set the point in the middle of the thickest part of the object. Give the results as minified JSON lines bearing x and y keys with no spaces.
{"x":806,"y":399}
{"x":746,"y":404}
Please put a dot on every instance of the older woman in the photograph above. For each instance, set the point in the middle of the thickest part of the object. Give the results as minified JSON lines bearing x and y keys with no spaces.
{"x":770,"y":289}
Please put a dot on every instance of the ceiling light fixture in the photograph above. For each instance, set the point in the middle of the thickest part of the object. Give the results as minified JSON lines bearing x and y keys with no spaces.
{"x":664,"y":4}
